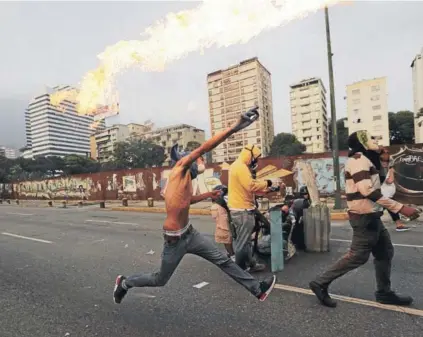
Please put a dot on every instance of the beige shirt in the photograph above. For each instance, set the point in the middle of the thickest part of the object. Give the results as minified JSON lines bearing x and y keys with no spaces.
{"x":362,"y":187}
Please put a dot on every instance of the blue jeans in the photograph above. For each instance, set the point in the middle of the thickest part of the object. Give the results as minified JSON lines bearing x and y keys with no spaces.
{"x":192,"y":242}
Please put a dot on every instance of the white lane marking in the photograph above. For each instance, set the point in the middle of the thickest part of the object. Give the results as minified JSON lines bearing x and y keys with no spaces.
{"x":25,"y":237}
{"x":113,"y":222}
{"x":395,"y":244}
{"x":405,"y":310}
{"x":143,"y":295}
{"x":19,"y":214}
{"x":200,"y":285}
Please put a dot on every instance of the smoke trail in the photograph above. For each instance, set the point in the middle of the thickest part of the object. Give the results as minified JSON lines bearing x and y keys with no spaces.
{"x":215,"y":22}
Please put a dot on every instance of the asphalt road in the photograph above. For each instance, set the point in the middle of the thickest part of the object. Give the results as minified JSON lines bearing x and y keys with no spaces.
{"x":62,"y":284}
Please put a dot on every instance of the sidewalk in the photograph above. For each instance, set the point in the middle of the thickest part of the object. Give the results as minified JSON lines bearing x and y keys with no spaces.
{"x":201,"y":208}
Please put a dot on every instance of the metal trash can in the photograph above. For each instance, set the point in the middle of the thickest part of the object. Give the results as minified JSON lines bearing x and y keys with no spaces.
{"x":150,"y":202}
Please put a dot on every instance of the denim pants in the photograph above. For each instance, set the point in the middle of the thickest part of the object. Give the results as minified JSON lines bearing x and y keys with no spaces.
{"x":192,"y":242}
{"x":244,"y":223}
{"x":369,"y":236}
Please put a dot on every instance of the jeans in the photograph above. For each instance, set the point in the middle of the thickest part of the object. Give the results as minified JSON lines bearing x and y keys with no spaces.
{"x":369,"y":236}
{"x":244,"y":223}
{"x":192,"y":242}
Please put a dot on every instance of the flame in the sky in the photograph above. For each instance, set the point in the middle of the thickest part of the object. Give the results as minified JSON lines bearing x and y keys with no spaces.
{"x":218,"y":23}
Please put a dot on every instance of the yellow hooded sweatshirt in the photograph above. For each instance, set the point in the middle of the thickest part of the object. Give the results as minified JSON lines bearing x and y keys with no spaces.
{"x":241,"y":185}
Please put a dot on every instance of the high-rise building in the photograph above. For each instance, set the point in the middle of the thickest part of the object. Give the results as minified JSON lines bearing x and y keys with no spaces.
{"x":57,"y":131}
{"x":168,"y":136}
{"x":232,"y":91}
{"x":309,"y":115}
{"x":8,"y":152}
{"x":105,"y":141}
{"x":367,"y":108}
{"x":417,"y":70}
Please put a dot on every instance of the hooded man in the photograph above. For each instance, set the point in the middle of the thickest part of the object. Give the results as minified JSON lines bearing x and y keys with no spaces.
{"x":365,"y":207}
{"x":242,"y":205}
{"x":179,"y":235}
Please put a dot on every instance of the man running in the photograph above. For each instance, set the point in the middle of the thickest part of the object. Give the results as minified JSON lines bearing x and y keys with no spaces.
{"x":180,"y":237}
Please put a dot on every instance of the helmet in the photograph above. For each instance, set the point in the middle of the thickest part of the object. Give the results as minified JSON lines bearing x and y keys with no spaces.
{"x":303,"y":190}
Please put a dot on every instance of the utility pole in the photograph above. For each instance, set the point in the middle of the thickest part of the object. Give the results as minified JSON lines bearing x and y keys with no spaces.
{"x":335,"y":150}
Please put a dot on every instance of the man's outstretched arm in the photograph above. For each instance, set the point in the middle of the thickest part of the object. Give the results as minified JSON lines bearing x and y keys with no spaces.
{"x":245,"y":120}
{"x":204,"y":196}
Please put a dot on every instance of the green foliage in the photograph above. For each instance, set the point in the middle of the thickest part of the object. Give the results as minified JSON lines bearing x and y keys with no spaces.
{"x":401,"y":127}
{"x":192,"y":146}
{"x":138,"y":153}
{"x":286,"y":144}
{"x":342,"y":134}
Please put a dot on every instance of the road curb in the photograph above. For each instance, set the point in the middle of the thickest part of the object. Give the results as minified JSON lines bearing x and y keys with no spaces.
{"x":196,"y":211}
{"x":193,"y":211}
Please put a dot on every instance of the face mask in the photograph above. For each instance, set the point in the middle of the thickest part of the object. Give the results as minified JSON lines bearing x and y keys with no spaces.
{"x":367,"y":141}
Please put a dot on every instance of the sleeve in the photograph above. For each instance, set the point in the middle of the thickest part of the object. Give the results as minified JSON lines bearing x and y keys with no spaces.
{"x":361,"y":172}
{"x":249,"y":183}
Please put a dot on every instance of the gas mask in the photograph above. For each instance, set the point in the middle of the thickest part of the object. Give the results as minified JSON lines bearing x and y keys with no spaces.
{"x":254,"y":160}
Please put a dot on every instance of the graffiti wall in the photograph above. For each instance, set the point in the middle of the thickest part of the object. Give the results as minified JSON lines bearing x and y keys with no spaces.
{"x":140,"y":184}
{"x":408,"y":170}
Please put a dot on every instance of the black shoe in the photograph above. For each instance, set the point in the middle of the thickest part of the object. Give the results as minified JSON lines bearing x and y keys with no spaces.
{"x":119,"y":293}
{"x":390,"y":297}
{"x":266,"y":288}
{"x":258,"y":267}
{"x":322,"y":294}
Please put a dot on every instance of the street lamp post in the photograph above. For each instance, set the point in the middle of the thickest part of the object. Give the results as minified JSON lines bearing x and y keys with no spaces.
{"x":335,"y":150}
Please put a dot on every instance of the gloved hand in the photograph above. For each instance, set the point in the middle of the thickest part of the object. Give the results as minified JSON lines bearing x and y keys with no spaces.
{"x":247,"y":118}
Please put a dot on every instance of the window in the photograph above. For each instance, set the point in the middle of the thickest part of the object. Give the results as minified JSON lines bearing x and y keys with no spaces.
{"x":375,"y":98}
{"x":375,"y":88}
{"x":377,"y":118}
{"x":356,"y":91}
{"x":376,"y":107}
{"x":356,"y":101}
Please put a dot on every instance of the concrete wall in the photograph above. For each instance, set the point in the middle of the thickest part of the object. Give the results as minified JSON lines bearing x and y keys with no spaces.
{"x":140,"y":184}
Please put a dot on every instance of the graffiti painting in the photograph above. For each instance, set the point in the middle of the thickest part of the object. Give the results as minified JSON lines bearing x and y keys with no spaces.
{"x":323,"y":170}
{"x":408,"y":172}
{"x":129,"y":184}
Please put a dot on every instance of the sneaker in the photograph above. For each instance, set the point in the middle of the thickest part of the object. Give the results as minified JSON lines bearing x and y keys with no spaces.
{"x":119,"y":292}
{"x":266,"y":288}
{"x":402,"y":228}
{"x":322,"y":294}
{"x":390,"y":297}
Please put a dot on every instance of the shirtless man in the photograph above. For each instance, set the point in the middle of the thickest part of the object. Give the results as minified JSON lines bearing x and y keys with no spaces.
{"x":180,"y":237}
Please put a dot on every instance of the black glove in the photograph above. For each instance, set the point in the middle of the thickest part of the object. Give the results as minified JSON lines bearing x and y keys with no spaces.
{"x":247,"y":118}
{"x":274,"y":189}
{"x":269,"y":183}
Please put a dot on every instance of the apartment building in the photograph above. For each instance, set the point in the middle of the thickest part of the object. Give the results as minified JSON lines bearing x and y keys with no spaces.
{"x":232,"y":91}
{"x":168,"y":136}
{"x":104,"y":141}
{"x":309,"y":114}
{"x":417,"y":75}
{"x":57,"y":131}
{"x":367,"y":108}
{"x":8,"y":152}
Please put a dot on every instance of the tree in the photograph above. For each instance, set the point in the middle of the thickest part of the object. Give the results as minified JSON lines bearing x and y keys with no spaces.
{"x":342,"y":134}
{"x":138,"y":153}
{"x":401,"y":127}
{"x":286,"y":144}
{"x":192,"y":146}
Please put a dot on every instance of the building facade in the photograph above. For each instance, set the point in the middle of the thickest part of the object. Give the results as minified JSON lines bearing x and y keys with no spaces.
{"x":367,"y":108}
{"x":105,"y":141}
{"x":417,"y":74}
{"x":183,"y":134}
{"x":8,"y":153}
{"x":235,"y":90}
{"x":309,"y":114}
{"x":57,"y":131}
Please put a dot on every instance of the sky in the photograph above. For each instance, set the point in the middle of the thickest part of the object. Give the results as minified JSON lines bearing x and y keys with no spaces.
{"x":51,"y":43}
